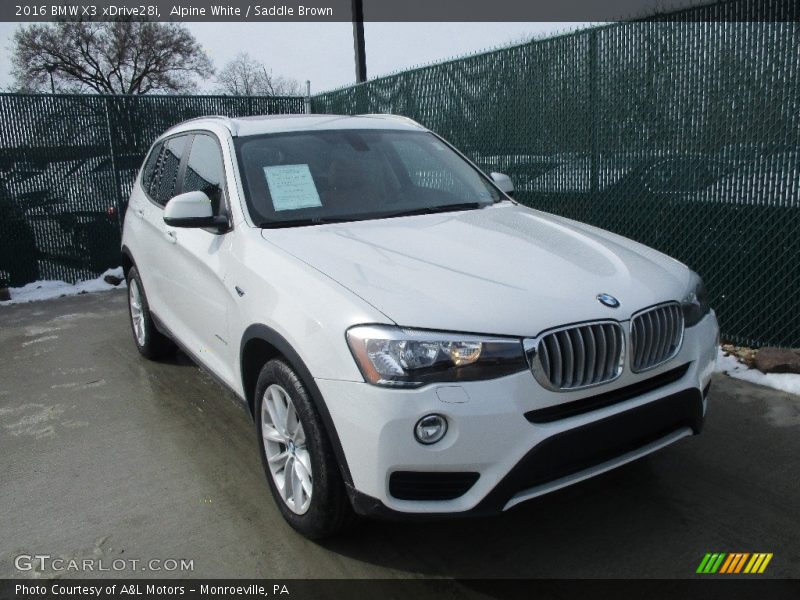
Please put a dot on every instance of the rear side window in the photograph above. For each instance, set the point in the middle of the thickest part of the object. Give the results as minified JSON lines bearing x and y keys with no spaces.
{"x":149,"y":169}
{"x":165,"y":185}
{"x":205,"y":171}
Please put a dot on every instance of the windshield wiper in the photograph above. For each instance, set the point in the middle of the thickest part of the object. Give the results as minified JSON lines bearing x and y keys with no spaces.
{"x":425,"y":210}
{"x":305,"y":222}
{"x":430,"y":210}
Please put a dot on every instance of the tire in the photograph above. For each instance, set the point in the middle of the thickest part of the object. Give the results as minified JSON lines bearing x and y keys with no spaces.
{"x":320,"y":508}
{"x":150,"y":342}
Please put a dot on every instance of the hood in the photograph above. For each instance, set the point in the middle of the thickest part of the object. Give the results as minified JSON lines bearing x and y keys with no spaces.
{"x":503,"y":269}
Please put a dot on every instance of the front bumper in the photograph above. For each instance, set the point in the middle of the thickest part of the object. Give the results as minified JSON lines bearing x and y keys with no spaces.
{"x":489,"y":435}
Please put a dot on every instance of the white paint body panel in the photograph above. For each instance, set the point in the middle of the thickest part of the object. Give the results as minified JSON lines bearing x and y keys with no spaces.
{"x":188,"y":205}
{"x":504,"y":269}
{"x":487,"y":434}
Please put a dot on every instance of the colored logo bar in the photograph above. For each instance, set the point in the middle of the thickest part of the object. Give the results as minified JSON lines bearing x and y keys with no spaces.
{"x":734,"y":562}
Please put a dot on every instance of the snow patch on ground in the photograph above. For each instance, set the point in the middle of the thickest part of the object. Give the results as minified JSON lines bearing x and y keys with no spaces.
{"x":786,"y":382}
{"x":45,"y":290}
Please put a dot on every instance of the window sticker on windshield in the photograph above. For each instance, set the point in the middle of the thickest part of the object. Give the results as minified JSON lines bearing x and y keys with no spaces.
{"x":291,"y":187}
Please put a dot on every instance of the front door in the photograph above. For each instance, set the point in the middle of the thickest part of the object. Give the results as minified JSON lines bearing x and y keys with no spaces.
{"x":196,"y":268}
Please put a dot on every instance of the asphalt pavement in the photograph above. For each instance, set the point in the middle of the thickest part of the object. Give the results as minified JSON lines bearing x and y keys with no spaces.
{"x":104,"y":455}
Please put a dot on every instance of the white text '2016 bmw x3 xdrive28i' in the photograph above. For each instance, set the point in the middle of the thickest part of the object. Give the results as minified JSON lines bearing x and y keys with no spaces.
{"x":409,"y":339}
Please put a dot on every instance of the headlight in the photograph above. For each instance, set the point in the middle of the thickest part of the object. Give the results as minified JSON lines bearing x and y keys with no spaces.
{"x":695,"y":304}
{"x":391,"y":356}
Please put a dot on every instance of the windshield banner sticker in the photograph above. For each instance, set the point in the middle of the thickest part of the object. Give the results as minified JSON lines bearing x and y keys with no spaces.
{"x":291,"y":187}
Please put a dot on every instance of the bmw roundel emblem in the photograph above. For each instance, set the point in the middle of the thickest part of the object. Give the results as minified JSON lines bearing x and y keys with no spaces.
{"x":608,"y":300}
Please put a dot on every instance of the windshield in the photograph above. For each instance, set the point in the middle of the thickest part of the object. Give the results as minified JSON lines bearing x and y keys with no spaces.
{"x":311,"y":177}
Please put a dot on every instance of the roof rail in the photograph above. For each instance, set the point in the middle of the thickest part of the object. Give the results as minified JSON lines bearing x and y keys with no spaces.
{"x":226,"y":121}
{"x":392,"y":117}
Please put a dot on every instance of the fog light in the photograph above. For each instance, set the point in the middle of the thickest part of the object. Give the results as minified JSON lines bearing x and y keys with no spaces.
{"x":430,"y":429}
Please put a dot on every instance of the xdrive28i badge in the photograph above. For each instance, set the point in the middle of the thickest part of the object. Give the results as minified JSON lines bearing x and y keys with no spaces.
{"x":608,"y":300}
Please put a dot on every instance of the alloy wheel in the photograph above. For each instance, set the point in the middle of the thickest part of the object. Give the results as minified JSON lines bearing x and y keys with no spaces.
{"x":285,"y":448}
{"x":137,"y":312}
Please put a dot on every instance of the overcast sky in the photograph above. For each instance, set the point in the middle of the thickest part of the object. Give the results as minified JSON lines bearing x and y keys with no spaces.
{"x":323,"y":52}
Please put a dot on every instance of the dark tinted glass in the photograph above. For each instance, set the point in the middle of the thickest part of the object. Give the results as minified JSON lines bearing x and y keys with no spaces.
{"x":166,"y":184}
{"x":149,"y":170}
{"x":205,"y":171}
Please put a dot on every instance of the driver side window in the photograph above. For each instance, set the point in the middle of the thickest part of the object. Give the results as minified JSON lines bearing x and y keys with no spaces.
{"x":205,"y":172}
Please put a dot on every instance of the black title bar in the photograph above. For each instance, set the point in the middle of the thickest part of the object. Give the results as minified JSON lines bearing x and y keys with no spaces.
{"x":397,"y":10}
{"x":420,"y":589}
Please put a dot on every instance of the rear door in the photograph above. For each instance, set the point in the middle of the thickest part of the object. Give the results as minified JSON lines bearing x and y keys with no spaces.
{"x":156,"y":244}
{"x":137,"y":231}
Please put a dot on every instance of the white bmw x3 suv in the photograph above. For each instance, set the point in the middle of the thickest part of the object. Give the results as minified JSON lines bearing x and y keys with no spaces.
{"x":409,"y":339}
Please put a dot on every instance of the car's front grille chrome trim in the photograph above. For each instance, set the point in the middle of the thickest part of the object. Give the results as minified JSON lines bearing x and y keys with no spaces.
{"x":656,"y":336}
{"x":578,"y":356}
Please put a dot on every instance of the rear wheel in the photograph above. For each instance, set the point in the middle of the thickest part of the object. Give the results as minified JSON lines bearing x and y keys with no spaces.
{"x":298,"y":459}
{"x":150,"y":342}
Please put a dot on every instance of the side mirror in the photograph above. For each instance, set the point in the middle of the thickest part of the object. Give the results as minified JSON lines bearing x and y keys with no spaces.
{"x":192,"y":209}
{"x":503,"y":182}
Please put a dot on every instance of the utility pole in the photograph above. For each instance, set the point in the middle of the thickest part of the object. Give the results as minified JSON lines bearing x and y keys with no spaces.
{"x":358,"y":41}
{"x":50,"y":69}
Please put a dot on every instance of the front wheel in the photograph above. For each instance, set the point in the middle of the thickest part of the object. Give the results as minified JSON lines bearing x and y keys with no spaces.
{"x":298,"y":459}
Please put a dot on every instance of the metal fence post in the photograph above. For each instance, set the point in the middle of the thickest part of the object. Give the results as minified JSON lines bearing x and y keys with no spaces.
{"x":594,"y":173}
{"x":117,"y":180}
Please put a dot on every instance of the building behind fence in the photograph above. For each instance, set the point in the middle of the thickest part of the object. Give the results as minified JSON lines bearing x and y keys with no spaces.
{"x":683,"y":134}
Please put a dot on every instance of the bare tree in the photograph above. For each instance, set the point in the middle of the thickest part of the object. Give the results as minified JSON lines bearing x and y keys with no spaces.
{"x":245,"y":76}
{"x":121,"y":57}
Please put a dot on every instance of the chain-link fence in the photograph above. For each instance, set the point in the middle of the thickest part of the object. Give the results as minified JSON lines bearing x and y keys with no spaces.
{"x":67,"y":163}
{"x":683,"y":135}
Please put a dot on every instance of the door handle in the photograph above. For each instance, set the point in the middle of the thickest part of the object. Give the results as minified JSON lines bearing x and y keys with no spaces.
{"x":172,"y":237}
